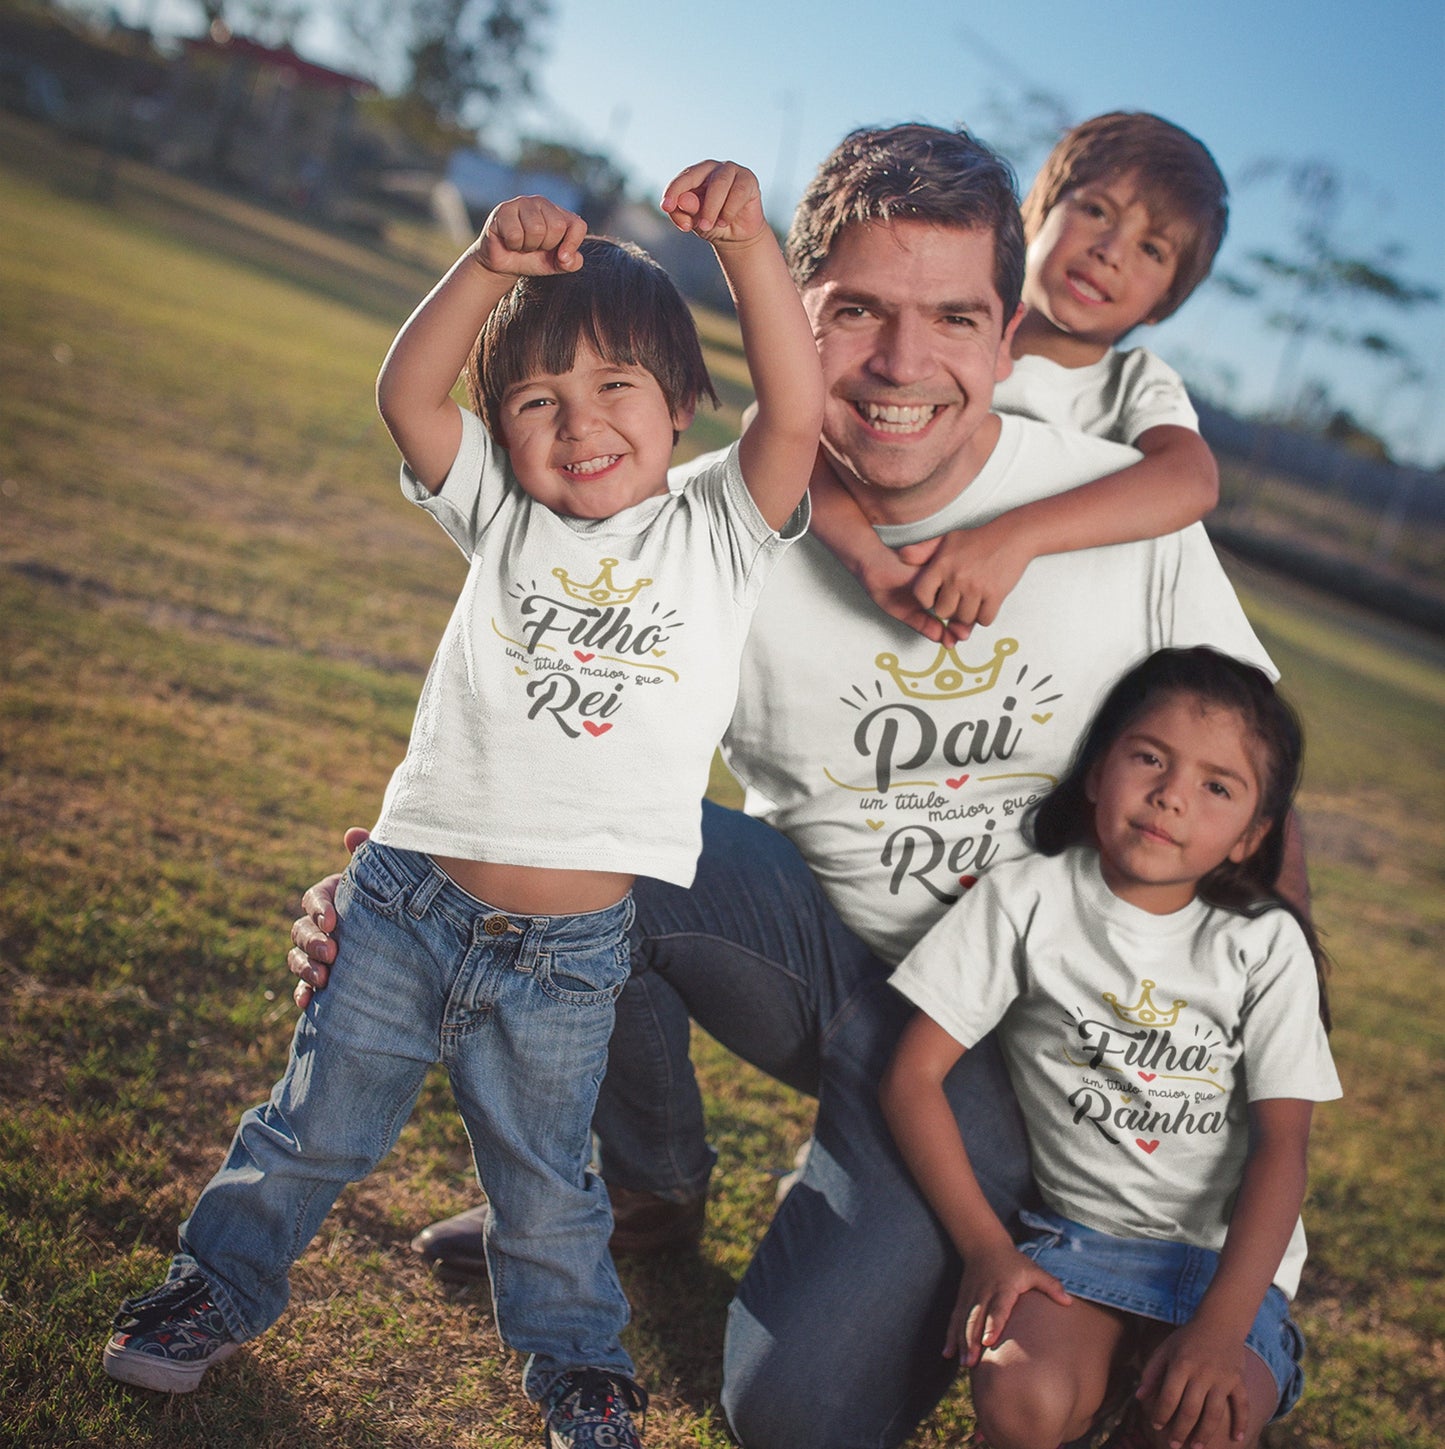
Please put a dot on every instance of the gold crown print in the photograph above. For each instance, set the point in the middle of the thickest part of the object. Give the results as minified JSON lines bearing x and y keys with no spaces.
{"x":601,"y":590}
{"x":948,"y":677}
{"x":1145,"y":1012}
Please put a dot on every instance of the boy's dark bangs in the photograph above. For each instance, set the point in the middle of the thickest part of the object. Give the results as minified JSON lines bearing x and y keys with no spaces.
{"x":560,"y":318}
{"x":621,"y":304}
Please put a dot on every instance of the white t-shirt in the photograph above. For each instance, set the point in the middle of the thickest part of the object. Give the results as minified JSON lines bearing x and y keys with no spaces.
{"x":1119,"y":397}
{"x":588,"y":670}
{"x":1135,"y":1042}
{"x":901,"y":769}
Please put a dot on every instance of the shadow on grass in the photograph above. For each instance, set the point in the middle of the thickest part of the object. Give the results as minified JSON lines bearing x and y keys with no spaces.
{"x":679,"y":1311}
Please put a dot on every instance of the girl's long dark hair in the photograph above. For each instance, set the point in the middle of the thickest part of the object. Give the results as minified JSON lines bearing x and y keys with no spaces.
{"x":1065,"y":816}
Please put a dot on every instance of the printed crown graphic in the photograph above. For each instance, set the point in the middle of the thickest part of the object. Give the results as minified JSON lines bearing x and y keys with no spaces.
{"x":1145,"y":1011}
{"x":602,"y":589}
{"x":948,"y":677}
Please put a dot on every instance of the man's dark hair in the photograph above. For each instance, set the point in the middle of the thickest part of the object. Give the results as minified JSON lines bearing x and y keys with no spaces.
{"x":912,"y":173}
{"x":619,"y":301}
{"x":1178,"y":179}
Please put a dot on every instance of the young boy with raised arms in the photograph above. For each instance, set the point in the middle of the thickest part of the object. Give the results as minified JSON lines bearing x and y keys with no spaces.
{"x":1123,"y":222}
{"x":561,"y":747}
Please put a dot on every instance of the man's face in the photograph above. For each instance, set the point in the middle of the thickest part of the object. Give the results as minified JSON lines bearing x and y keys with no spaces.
{"x":912,"y":338}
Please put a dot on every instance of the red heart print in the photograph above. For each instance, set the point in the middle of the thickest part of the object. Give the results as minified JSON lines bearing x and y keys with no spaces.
{"x":585,"y":658}
{"x":968,"y":881}
{"x":955,"y":783}
{"x":1147,"y":1076}
{"x":1147,"y":1146}
{"x":595,"y":729}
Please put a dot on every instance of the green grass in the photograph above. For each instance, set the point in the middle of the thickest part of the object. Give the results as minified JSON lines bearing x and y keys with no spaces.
{"x":215,"y":613}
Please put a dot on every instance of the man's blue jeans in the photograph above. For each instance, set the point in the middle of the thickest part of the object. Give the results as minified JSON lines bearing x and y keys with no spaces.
{"x":519,"y":1009}
{"x":835,"y":1337}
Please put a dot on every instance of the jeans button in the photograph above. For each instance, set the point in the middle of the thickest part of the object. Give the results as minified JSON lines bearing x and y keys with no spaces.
{"x":495,"y":925}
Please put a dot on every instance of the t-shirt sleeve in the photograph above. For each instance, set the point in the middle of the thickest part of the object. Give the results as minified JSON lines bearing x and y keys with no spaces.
{"x":471,"y":492}
{"x":968,"y":968}
{"x":1152,"y":395}
{"x":719,"y":486}
{"x":1194,"y":602}
{"x":1285,"y":1050}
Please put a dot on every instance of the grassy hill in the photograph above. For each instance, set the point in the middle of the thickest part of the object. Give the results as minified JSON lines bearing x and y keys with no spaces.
{"x":214,"y":619}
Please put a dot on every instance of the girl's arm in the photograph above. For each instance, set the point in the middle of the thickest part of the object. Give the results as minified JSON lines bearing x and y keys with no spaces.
{"x":1193,"y":1378}
{"x":970,"y":572}
{"x":995,"y":1273}
{"x":527,"y":236}
{"x":721,"y":202}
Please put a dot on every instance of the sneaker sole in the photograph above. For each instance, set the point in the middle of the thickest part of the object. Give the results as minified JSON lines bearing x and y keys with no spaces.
{"x":165,"y":1376}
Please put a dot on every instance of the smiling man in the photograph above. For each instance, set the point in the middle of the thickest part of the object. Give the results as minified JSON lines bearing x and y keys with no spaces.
{"x":884,"y":774}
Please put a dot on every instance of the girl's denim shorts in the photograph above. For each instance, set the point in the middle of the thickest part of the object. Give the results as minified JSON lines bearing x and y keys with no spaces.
{"x":1163,"y":1280}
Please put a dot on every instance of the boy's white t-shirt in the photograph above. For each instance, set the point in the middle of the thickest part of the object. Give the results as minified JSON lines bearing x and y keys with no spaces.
{"x":902,"y":770}
{"x":1135,"y":1042}
{"x":570,"y":714}
{"x":1119,"y":397}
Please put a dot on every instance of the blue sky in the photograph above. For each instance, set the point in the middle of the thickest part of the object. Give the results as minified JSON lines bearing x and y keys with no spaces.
{"x":774,"y":85}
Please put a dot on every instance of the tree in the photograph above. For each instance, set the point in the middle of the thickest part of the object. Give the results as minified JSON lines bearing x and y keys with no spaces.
{"x":460,"y":59}
{"x":1306,"y":285}
{"x":467,"y":56}
{"x":596,"y":175}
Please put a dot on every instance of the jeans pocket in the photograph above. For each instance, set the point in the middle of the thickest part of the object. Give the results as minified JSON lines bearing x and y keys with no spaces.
{"x":371,"y":878}
{"x":585,"y":975}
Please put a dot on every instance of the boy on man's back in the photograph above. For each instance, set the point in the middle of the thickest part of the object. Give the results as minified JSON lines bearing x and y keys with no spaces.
{"x":1123,"y":222}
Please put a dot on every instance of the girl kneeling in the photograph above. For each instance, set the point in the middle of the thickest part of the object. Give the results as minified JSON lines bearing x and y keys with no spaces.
{"x":1163,"y":1017}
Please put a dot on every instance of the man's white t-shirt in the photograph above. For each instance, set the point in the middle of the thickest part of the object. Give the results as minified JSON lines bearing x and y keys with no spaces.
{"x":1119,"y":397}
{"x":1135,"y":1042}
{"x":901,"y":770}
{"x":571,"y":712}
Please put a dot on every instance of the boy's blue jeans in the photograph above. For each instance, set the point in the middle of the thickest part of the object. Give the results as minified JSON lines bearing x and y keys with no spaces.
{"x":520,"y":1010}
{"x":835,"y":1337}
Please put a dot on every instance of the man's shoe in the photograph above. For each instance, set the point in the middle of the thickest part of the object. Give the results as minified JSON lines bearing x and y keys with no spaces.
{"x":643,"y":1225}
{"x":592,"y":1409}
{"x":166,"y":1339}
{"x":453,"y":1247}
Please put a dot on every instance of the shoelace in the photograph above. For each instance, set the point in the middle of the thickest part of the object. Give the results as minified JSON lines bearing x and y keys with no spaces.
{"x":594,"y":1391}
{"x":150,"y":1310}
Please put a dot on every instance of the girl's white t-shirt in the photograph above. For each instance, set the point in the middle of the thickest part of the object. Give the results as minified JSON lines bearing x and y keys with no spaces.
{"x":1135,"y":1042}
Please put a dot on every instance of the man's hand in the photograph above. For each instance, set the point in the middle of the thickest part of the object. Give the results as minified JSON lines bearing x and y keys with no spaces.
{"x":719,"y":200}
{"x":1193,"y":1386}
{"x":993,"y":1281}
{"x":313,"y":943}
{"x":530,"y":236}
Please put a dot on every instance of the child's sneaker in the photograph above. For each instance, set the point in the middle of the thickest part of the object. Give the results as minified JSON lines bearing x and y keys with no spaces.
{"x":592,"y":1409}
{"x":166,"y":1339}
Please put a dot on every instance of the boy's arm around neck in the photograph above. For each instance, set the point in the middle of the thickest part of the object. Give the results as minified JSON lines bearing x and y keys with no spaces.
{"x":1174,"y":484}
{"x":966,"y":576}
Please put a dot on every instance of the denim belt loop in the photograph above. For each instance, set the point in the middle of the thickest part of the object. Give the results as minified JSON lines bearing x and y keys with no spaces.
{"x":427,"y":891}
{"x":534,"y":935}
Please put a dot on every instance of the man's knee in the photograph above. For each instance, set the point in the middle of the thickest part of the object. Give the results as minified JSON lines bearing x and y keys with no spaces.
{"x":807,"y":1382}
